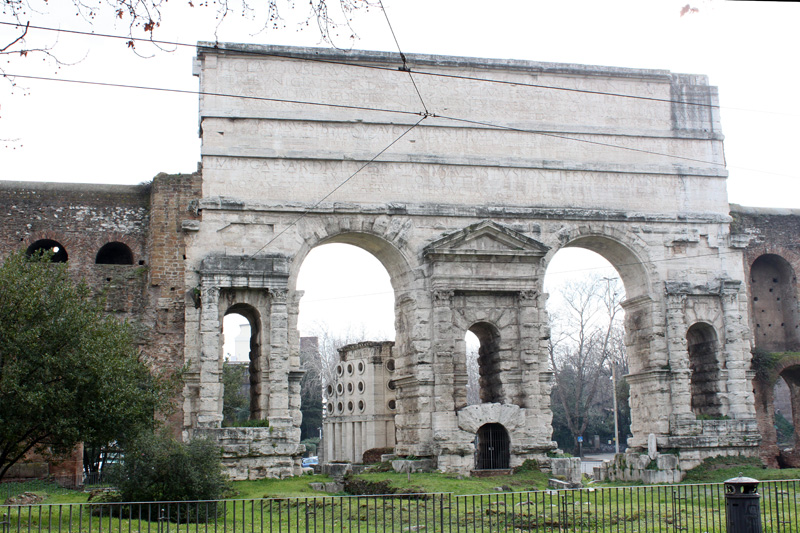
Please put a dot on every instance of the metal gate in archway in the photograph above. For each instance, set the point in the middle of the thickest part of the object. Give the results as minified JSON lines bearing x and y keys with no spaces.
{"x":492,"y":448}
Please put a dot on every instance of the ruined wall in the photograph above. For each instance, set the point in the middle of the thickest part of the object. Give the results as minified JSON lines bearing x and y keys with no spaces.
{"x":770,"y":239}
{"x":83,"y":218}
{"x":148,"y":290}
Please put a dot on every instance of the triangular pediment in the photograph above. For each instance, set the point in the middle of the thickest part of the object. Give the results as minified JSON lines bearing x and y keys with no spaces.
{"x":485,"y":240}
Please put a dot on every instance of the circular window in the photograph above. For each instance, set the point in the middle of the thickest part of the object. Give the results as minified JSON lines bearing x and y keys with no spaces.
{"x":350,"y":369}
{"x":340,"y":407}
{"x":360,"y":367}
{"x":361,"y":387}
{"x":390,"y":365}
{"x":391,"y":384}
{"x":361,"y":405}
{"x":350,"y":406}
{"x":339,"y":388}
{"x":330,"y":407}
{"x":349,"y":388}
{"x":339,"y":369}
{"x":391,"y":405}
{"x":329,"y":390}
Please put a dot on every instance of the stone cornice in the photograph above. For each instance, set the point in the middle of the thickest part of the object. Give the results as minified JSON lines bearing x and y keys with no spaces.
{"x":222,"y":203}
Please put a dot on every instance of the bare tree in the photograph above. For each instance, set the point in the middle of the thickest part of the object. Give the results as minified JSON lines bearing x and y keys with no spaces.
{"x":142,"y":18}
{"x":586,"y":339}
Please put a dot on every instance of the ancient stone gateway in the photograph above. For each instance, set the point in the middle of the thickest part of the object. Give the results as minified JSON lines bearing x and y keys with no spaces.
{"x":465,"y":207}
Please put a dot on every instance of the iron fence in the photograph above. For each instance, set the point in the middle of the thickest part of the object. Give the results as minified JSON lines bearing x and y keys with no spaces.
{"x":669,"y":508}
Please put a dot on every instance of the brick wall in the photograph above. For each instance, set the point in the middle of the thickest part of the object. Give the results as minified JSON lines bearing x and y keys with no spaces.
{"x":82,"y":218}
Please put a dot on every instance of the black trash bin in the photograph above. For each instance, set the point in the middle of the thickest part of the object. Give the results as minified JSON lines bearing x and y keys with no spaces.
{"x":742,"y":505}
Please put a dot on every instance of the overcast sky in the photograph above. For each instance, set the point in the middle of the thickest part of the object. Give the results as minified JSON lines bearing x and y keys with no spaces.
{"x":58,"y":131}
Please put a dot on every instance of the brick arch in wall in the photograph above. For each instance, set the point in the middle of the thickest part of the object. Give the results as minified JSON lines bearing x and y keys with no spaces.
{"x":47,"y":239}
{"x":784,"y":366}
{"x":775,"y":315}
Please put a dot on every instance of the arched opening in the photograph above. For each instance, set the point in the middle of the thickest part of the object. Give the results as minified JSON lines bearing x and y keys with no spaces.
{"x":59,"y":252}
{"x":784,"y":412}
{"x":472,"y":345}
{"x":347,"y":299}
{"x":703,"y":348}
{"x":773,"y":296}
{"x":587,"y":351}
{"x":114,"y":253}
{"x":487,"y":364}
{"x":492,"y":448}
{"x":242,"y":368}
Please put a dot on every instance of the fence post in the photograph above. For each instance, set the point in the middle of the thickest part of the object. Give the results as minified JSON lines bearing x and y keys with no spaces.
{"x":742,"y":505}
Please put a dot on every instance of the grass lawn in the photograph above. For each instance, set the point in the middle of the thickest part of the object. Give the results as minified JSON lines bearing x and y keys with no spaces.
{"x":712,"y":471}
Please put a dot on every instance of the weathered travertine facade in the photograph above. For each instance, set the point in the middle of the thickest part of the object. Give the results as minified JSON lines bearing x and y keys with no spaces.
{"x":465,"y":217}
{"x":360,"y":404}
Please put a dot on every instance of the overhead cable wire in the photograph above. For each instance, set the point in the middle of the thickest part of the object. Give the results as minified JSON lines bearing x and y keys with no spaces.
{"x":395,"y":111}
{"x":392,"y":69}
{"x":342,"y":184}
{"x":576,"y":139}
{"x":405,"y":66}
{"x":206,"y":93}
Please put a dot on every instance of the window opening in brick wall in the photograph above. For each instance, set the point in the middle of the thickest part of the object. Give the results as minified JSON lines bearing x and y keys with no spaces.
{"x":114,"y":253}
{"x":59,"y":252}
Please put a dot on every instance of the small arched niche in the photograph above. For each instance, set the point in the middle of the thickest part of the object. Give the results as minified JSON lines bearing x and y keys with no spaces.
{"x":45,"y":245}
{"x":703,"y":347}
{"x":114,"y":253}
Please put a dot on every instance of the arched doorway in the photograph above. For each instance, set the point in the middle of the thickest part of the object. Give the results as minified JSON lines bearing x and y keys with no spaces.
{"x":492,"y":447}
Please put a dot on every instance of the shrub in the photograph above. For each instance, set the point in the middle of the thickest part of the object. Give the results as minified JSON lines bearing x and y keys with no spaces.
{"x":373,"y":455}
{"x":159,"y":468}
{"x":528,"y":465}
{"x":360,"y":487}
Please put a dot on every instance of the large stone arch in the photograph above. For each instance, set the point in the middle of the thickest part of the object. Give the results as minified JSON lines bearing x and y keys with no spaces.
{"x":465,"y":218}
{"x":626,"y":252}
{"x":382,"y":236}
{"x":650,"y":394}
{"x":386,"y":239}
